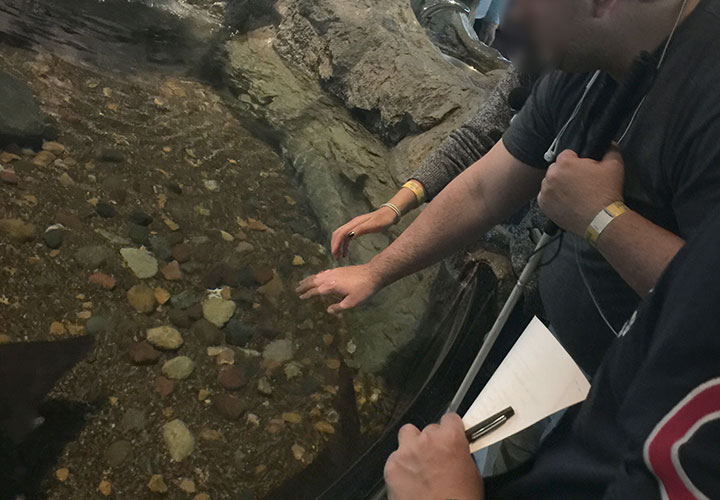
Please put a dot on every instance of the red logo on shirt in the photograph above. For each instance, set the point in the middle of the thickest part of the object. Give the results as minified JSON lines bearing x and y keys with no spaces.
{"x":662,"y":447}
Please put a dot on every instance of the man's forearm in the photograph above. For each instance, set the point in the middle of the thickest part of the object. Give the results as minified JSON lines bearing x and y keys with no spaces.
{"x":638,"y":250}
{"x":484,"y":195}
{"x":455,"y":217}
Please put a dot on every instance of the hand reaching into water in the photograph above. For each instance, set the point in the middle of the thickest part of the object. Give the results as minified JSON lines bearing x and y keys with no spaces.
{"x":374,"y":222}
{"x":353,"y":285}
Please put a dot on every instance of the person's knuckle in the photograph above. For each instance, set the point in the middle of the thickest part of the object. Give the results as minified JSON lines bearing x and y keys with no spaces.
{"x":391,"y":465}
{"x":407,"y":428}
{"x":541,"y":202}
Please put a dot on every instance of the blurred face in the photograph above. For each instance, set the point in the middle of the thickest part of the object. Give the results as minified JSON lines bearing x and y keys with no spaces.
{"x":557,"y":30}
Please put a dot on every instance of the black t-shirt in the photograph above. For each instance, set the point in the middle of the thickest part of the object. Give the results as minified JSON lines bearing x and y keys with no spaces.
{"x":672,"y":172}
{"x":650,"y":427}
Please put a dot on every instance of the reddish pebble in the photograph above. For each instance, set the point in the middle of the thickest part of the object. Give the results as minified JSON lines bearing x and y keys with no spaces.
{"x":181,"y":253}
{"x":68,"y":220}
{"x":163,"y":386}
{"x":232,"y":378}
{"x":102,"y":280}
{"x":263,"y":274}
{"x":172,"y":271}
{"x":9,"y":177}
{"x":143,"y":354}
{"x":228,"y":406}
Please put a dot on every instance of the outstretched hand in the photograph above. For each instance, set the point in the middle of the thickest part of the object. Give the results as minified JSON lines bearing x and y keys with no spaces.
{"x":353,"y":285}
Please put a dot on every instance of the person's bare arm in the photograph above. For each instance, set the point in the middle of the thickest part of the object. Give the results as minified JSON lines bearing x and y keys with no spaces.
{"x":484,"y":195}
{"x":576,"y":189}
{"x":639,"y":250}
{"x":481,"y":197}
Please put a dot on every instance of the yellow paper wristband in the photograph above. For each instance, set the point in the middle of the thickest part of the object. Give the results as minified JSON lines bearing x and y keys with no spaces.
{"x":417,"y":189}
{"x":603,"y":219}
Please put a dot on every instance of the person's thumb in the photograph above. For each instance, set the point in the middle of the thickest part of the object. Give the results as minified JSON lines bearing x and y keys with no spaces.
{"x":347,"y":303}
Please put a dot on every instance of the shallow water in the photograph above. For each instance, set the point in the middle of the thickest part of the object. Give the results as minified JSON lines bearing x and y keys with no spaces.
{"x":140,"y":129}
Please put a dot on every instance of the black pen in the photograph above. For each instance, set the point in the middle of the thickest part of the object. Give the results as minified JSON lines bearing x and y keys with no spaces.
{"x":488,"y":425}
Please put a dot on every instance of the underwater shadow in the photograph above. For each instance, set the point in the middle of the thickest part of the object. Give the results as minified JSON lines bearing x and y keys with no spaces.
{"x":24,"y":466}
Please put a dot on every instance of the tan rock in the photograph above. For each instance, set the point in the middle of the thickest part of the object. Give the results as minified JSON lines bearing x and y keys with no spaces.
{"x":142,"y":298}
{"x":165,"y":337}
{"x":187,"y":485}
{"x":53,"y":147}
{"x":17,"y":229}
{"x":57,"y":329}
{"x":75,"y":329}
{"x":66,"y":180}
{"x":43,"y":159}
{"x":62,"y":474}
{"x":324,"y":427}
{"x":105,"y":487}
{"x":210,"y":435}
{"x":298,"y":451}
{"x":161,"y":295}
{"x":6,"y":157}
{"x":292,"y":418}
{"x":157,"y":484}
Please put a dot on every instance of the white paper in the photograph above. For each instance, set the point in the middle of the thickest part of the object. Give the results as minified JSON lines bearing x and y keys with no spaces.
{"x":537,"y":379}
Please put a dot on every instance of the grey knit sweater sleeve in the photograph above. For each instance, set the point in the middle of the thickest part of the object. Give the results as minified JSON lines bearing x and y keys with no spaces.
{"x":470,"y":142}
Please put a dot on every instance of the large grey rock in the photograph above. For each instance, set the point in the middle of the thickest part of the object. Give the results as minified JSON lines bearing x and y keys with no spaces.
{"x":379,"y":61}
{"x":21,"y":120}
{"x":298,"y":81}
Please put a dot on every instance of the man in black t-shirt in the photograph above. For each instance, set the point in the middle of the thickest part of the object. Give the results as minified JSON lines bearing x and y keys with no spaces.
{"x":666,"y":170}
{"x":650,"y":428}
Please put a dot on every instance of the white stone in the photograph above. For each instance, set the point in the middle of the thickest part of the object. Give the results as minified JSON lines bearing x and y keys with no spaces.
{"x":140,"y":262}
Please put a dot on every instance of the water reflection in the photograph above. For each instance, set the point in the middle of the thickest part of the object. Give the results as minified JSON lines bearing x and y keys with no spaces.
{"x":148,"y":155}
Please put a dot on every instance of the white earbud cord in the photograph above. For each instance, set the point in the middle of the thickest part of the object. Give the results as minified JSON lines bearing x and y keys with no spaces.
{"x":620,"y":141}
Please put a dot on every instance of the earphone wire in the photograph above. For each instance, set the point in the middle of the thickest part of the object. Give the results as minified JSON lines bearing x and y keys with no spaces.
{"x":659,"y":65}
{"x":620,"y":141}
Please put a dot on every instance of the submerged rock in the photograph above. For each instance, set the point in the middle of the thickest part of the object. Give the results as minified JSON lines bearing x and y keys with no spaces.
{"x":207,"y":333}
{"x":21,"y":120}
{"x":278,"y":351}
{"x":142,"y":298}
{"x":178,"y":439}
{"x":93,"y":257}
{"x":218,"y":311}
{"x":54,"y":236}
{"x":118,"y":452}
{"x":140,"y":262}
{"x":238,"y":333}
{"x":165,"y":338}
{"x":228,"y":406}
{"x":142,"y":353}
{"x":232,"y":378}
{"x":18,"y":229}
{"x":179,"y":368}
